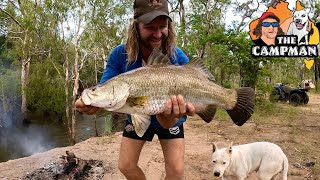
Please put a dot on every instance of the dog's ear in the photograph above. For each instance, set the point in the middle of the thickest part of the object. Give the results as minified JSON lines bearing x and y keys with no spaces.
{"x":214,"y":148}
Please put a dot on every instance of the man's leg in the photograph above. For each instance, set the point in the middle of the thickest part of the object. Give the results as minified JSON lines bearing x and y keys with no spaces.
{"x":130,"y":150}
{"x":173,"y":152}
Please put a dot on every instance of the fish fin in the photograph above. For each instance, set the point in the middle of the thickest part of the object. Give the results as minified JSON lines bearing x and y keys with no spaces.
{"x":208,"y":113}
{"x":202,"y":67}
{"x":138,"y":101}
{"x":157,"y":57}
{"x":141,"y":123}
{"x":244,"y":106}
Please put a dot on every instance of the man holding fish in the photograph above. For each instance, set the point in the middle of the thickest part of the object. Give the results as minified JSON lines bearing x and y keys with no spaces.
{"x":157,"y":92}
{"x":151,"y":28}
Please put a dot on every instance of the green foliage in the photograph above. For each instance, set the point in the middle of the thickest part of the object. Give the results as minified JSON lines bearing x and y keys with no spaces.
{"x":105,"y":30}
{"x":9,"y":83}
{"x":265,"y":107}
{"x":6,"y":60}
{"x":10,"y":89}
{"x":45,"y":91}
{"x":9,"y":76}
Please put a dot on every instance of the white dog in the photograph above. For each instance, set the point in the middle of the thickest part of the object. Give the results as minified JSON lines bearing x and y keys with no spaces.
{"x":266,"y":158}
{"x":299,"y":26}
{"x":307,"y":84}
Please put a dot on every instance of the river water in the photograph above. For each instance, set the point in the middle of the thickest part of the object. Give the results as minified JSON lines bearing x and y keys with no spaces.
{"x":44,"y":133}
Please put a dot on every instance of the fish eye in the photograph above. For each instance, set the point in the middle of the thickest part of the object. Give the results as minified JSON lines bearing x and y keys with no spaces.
{"x":224,"y":163}
{"x":93,"y":89}
{"x":214,"y":161}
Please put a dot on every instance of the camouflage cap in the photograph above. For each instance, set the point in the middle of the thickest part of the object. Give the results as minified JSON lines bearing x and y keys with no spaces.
{"x":146,"y":10}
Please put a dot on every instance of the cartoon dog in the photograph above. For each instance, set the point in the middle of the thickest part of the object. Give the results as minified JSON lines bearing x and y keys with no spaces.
{"x":299,"y":26}
{"x":264,"y":157}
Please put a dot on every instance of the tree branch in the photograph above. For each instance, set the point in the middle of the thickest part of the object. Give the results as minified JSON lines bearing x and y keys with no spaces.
{"x":11,"y":17}
{"x":54,"y":65}
{"x":83,"y":60}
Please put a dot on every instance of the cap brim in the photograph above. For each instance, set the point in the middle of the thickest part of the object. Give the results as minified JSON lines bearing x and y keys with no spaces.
{"x":147,"y":18}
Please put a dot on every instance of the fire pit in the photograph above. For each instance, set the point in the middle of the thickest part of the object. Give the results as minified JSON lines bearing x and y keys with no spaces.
{"x":69,"y":167}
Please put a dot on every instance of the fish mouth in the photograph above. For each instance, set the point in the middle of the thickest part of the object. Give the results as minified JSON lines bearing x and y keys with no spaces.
{"x":86,"y":97}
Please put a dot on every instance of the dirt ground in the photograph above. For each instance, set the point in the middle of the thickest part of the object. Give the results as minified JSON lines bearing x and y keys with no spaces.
{"x":295,"y":129}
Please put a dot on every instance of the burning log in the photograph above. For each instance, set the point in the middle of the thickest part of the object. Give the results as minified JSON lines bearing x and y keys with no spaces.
{"x":70,"y":167}
{"x":73,"y":167}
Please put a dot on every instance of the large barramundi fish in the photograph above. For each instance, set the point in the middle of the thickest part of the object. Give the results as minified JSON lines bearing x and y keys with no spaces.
{"x":144,"y":91}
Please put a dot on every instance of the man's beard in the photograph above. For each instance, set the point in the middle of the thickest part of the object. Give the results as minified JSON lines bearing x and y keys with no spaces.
{"x":147,"y":45}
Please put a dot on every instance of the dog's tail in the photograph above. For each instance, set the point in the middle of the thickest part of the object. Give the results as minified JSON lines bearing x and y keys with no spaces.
{"x":285,"y":168}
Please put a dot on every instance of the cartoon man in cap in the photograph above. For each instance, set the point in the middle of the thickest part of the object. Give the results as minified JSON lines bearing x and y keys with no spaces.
{"x":267,"y":29}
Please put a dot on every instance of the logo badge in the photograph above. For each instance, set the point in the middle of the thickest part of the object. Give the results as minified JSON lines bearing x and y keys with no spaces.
{"x":129,"y":128}
{"x":155,"y":4}
{"x":285,"y":30}
{"x":174,"y":130}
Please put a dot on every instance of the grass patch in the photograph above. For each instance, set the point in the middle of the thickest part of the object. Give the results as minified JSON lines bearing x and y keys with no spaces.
{"x":265,"y":107}
{"x":266,"y":111}
{"x":291,"y":114}
{"x":222,"y":115}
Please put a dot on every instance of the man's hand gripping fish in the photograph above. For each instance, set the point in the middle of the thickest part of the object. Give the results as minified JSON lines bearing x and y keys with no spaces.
{"x":144,"y":91}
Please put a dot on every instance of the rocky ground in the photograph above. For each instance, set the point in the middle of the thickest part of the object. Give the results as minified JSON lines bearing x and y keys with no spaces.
{"x":295,"y":129}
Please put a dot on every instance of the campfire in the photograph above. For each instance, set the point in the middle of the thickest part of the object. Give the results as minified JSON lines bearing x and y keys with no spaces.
{"x":69,"y":167}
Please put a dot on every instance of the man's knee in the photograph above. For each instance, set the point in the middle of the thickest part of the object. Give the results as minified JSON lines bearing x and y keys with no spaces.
{"x":125,"y":166}
{"x":175,"y":170}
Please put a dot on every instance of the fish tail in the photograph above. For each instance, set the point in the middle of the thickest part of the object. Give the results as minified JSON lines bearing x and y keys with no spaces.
{"x":244,"y":106}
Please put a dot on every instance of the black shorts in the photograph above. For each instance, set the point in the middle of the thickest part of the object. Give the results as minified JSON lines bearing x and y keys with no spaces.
{"x":171,"y":133}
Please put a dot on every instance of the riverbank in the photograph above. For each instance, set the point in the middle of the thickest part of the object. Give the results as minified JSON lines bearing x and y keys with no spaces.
{"x":294,"y":129}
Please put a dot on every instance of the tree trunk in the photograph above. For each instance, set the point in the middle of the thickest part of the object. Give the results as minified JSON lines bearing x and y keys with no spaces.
{"x":74,"y":96}
{"x":222,"y":76}
{"x":66,"y":89}
{"x":3,"y":109}
{"x":183,"y":24}
{"x":25,"y":65}
{"x":75,"y":84}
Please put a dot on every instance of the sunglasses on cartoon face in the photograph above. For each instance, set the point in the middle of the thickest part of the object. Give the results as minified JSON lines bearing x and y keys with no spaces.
{"x":267,"y":24}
